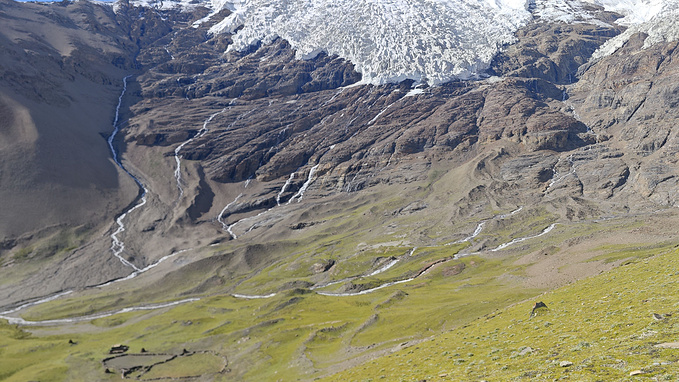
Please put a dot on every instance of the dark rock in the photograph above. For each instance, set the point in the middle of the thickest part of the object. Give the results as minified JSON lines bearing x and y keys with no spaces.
{"x":539,"y":308}
{"x":552,"y":51}
{"x":303,"y":225}
{"x":118,"y":349}
{"x":322,"y":267}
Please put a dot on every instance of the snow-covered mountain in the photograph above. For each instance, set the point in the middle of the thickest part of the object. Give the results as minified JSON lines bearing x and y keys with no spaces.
{"x":427,"y":41}
{"x":658,"y":23}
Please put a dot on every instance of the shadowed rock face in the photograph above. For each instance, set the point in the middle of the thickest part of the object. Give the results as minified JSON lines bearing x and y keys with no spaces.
{"x":553,"y":51}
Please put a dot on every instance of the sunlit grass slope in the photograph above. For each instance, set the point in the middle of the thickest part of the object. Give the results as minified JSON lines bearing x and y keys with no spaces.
{"x":598,"y":329}
{"x":295,"y":335}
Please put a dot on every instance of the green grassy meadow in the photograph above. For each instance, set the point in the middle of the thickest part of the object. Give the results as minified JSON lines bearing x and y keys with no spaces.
{"x":461,"y":319}
{"x":597,"y":329}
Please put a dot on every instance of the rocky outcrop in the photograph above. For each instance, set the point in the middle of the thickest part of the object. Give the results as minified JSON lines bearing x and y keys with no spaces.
{"x":630,"y":98}
{"x":554,"y":51}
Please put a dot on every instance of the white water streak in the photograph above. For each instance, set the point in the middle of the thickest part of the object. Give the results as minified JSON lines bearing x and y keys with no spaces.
{"x":367,"y":290}
{"x":310,"y":179}
{"x":516,"y":211}
{"x":285,"y":187}
{"x":168,"y":52}
{"x":116,"y":128}
{"x":251,"y":218}
{"x":505,"y":245}
{"x":229,"y":229}
{"x":42,"y":301}
{"x":134,"y":274}
{"x":556,"y":178}
{"x":146,"y":269}
{"x":117,"y":245}
{"x":319,"y":286}
{"x":382,"y":112}
{"x":253,"y":297}
{"x":21,"y":321}
{"x":384,"y":268}
{"x":482,"y":224}
{"x":177,"y":157}
{"x":220,"y":217}
{"x":233,"y":123}
{"x":378,"y":271}
{"x":476,"y":233}
{"x":333,"y":97}
{"x":351,"y":182}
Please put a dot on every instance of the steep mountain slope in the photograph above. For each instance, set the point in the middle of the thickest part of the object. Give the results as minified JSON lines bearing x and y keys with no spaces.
{"x":58,"y":84}
{"x":228,"y":170}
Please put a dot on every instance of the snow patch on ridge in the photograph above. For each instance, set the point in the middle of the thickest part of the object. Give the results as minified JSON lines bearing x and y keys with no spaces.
{"x":661,"y":26}
{"x":634,"y":11}
{"x":432,"y":41}
{"x":575,"y":11}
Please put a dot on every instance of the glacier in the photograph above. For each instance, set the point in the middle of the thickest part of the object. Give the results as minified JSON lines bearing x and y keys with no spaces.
{"x":428,"y":41}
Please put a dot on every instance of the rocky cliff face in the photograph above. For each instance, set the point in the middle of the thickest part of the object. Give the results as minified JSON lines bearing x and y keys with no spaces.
{"x":252,"y":148}
{"x":630,"y":98}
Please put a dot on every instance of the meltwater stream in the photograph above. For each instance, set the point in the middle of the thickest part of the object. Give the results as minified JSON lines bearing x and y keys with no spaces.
{"x":117,"y":245}
{"x":21,"y":321}
{"x":178,"y":158}
{"x":310,"y":179}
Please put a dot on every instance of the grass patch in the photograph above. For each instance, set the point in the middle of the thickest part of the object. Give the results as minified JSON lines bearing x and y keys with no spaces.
{"x":618,"y":252}
{"x":600,"y":328}
{"x":301,"y":335}
{"x":193,"y":365}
